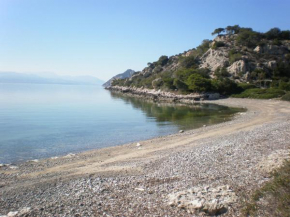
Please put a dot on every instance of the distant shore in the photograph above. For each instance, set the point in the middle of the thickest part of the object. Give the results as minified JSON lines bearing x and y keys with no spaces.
{"x":139,"y":178}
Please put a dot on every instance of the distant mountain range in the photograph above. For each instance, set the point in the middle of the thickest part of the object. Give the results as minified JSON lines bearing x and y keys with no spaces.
{"x":127,"y":74}
{"x":47,"y":78}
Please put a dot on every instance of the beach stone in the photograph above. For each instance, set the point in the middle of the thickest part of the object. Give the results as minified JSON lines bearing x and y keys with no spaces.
{"x":138,"y":144}
{"x":212,"y":201}
{"x":181,"y":131}
{"x":24,"y":211}
{"x":12,"y":214}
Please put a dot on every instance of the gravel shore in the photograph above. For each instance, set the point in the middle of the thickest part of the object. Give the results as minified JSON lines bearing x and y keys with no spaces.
{"x":137,"y":180}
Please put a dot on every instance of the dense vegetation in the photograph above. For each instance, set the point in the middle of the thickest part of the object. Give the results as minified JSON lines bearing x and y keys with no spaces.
{"x":182,"y":72}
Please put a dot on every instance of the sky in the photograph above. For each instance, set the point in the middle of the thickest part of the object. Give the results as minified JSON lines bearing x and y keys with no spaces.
{"x":105,"y":37}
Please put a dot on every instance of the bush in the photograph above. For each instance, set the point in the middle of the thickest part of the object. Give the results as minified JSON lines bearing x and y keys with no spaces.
{"x":249,"y":38}
{"x":157,"y":69}
{"x":284,"y":86}
{"x":221,"y":72}
{"x":286,"y":97}
{"x":245,"y":86}
{"x":197,"y":83}
{"x":225,"y":86}
{"x":162,"y":60}
{"x":218,"y":44}
{"x":234,"y":56}
{"x":258,"y":93}
{"x":188,"y":62}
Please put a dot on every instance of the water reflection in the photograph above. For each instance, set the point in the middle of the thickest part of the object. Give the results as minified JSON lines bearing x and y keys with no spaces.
{"x":183,"y":116}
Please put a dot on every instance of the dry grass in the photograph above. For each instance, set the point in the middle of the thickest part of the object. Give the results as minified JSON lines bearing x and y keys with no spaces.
{"x":273,"y":199}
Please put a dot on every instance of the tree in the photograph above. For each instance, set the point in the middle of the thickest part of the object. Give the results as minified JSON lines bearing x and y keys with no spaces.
{"x":197,"y":83}
{"x":273,"y":33}
{"x":218,"y":31}
{"x":233,"y":29}
{"x":163,"y":60}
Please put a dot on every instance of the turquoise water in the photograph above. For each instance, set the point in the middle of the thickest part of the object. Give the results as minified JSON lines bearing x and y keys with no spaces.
{"x":38,"y":121}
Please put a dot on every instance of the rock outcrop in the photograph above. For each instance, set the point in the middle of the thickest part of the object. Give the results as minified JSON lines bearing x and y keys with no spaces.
{"x":213,"y":59}
{"x":211,"y":201}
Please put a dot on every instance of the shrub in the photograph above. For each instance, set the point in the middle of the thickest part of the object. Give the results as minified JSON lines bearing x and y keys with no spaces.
{"x":221,"y":72}
{"x":225,"y":86}
{"x":197,"y":83}
{"x":157,"y":69}
{"x":162,"y":60}
{"x":188,"y":62}
{"x":249,"y":38}
{"x":245,"y":86}
{"x":218,"y":44}
{"x":284,"y":86}
{"x":234,"y":56}
{"x":286,"y":97}
{"x":258,"y":93}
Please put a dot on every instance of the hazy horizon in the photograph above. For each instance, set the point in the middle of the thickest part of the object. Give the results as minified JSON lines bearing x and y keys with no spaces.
{"x":105,"y":38}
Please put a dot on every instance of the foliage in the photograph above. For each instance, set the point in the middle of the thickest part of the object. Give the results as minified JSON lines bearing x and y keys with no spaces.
{"x":188,"y":62}
{"x":157,"y":83}
{"x":233,"y":29}
{"x":162,"y":60}
{"x":201,"y":49}
{"x":245,"y":86}
{"x":157,"y":69}
{"x":275,"y":193}
{"x":276,"y":33}
{"x":218,"y":31}
{"x":284,"y":85}
{"x":221,"y":72}
{"x":218,"y":44}
{"x":258,"y":93}
{"x":234,"y":56}
{"x":286,"y":97}
{"x":167,"y":81}
{"x":248,"y":38}
{"x":197,"y":83}
{"x":282,"y":70}
{"x":225,"y":86}
{"x":257,"y":74}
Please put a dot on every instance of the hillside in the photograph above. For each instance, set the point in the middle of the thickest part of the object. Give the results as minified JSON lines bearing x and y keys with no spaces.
{"x":128,"y":73}
{"x":235,"y":59}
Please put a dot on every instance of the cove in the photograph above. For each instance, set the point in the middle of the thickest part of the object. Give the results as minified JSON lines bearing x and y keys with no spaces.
{"x":44,"y":120}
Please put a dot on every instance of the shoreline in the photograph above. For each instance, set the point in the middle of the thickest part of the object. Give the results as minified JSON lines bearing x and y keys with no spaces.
{"x":163,"y":159}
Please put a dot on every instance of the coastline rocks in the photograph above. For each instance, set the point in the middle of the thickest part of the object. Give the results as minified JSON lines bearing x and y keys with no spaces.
{"x":158,"y":95}
{"x":181,"y":131}
{"x":211,"y":201}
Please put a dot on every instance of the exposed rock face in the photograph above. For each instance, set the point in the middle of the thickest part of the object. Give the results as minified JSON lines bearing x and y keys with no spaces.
{"x":237,"y":67}
{"x":128,"y":73}
{"x":271,"y":49}
{"x":213,"y":59}
{"x":211,"y":201}
{"x":271,"y":64}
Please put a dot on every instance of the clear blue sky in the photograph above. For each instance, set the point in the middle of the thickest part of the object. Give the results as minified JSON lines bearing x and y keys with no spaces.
{"x":106,"y":37}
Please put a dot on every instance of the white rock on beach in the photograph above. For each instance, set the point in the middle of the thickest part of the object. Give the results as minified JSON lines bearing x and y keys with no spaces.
{"x":212,"y":201}
{"x":12,"y":214}
{"x":138,"y":144}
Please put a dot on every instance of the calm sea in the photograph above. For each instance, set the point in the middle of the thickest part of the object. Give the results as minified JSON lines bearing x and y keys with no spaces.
{"x":39,"y":121}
